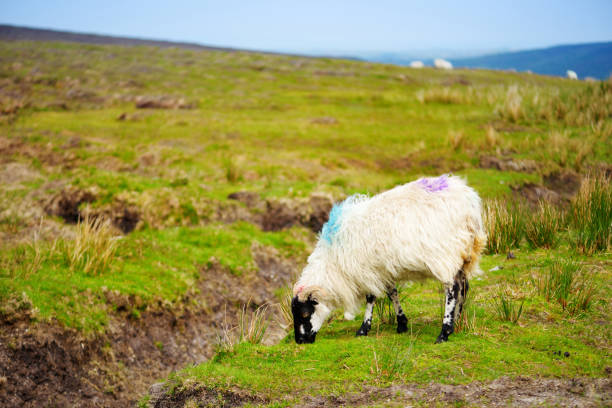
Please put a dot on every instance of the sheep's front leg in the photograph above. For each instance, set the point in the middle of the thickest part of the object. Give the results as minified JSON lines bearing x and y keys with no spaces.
{"x":367,"y":317}
{"x":448,"y":323}
{"x":402,"y":320}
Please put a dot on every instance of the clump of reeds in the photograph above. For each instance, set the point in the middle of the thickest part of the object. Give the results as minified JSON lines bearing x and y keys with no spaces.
{"x":492,"y":138}
{"x":512,"y":108}
{"x":233,"y":172}
{"x":467,"y":320}
{"x":443,"y":95}
{"x":93,"y":247}
{"x":504,"y":224}
{"x":507,"y":307}
{"x":566,"y":283}
{"x":285,"y":316}
{"x":591,"y":215}
{"x":456,"y":139}
{"x":542,"y":227}
{"x":251,"y":328}
{"x":384,"y":311}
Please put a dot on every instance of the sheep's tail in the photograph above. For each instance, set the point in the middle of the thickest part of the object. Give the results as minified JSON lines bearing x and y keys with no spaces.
{"x":471,"y":263}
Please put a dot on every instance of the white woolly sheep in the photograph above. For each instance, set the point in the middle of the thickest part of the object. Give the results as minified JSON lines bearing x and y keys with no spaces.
{"x":416,"y":64}
{"x":442,"y":64}
{"x":571,"y":74}
{"x":431,"y":227}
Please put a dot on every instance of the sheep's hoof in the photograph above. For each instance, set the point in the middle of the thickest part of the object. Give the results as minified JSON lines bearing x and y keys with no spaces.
{"x":402,"y":324}
{"x":363,"y":331}
{"x":441,"y":339}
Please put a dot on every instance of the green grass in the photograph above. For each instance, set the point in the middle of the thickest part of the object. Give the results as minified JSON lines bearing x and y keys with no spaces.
{"x":338,"y":362}
{"x":154,"y":266}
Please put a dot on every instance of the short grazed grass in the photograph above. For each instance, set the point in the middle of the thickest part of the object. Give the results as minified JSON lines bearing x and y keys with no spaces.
{"x":338,"y":362}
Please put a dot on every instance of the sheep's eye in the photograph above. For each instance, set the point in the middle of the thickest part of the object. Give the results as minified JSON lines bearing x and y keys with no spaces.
{"x":305,"y":315}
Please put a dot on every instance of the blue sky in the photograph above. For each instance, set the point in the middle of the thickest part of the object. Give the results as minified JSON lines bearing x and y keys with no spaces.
{"x":329,"y":26}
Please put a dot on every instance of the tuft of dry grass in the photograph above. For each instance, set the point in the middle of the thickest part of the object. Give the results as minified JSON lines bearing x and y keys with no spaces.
{"x":252,"y":326}
{"x":93,"y":247}
{"x":505,"y":225}
{"x":444,"y":95}
{"x":512,"y":107}
{"x":591,"y":215}
{"x":285,"y":316}
{"x":456,"y":139}
{"x":542,"y":226}
{"x":492,"y":139}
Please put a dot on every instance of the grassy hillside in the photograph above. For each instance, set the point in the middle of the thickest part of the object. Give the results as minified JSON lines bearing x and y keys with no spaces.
{"x":588,"y":60}
{"x":153,"y":143}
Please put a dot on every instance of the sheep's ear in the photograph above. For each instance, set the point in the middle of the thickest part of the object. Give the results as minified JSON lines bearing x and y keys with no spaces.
{"x":315,"y":293}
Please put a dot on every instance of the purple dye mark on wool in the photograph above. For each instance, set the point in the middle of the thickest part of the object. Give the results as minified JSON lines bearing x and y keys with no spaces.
{"x":434,"y":184}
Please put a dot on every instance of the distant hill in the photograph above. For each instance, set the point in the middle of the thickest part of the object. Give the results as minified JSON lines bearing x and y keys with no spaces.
{"x":594,"y":60}
{"x":14,"y":33}
{"x":588,"y":60}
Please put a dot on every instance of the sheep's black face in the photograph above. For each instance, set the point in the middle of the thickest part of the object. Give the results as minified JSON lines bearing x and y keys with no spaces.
{"x":302,"y":315}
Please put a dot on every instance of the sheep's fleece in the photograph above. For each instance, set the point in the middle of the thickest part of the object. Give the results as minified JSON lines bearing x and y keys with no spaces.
{"x":431,"y":227}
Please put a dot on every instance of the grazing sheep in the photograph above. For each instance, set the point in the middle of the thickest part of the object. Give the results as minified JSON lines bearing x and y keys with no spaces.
{"x":416,"y":64}
{"x":571,"y":74}
{"x":431,"y":227}
{"x":442,"y":64}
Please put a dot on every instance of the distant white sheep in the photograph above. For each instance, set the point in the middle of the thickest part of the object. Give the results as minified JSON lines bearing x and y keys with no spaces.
{"x":416,"y":64}
{"x":571,"y":74}
{"x":442,"y":64}
{"x":431,"y":227}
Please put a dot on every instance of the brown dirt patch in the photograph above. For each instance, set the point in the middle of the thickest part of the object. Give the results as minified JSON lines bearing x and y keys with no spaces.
{"x":558,"y":189}
{"x":534,"y":193}
{"x":457,"y":80}
{"x":566,"y":183}
{"x":15,"y":173}
{"x":311,"y":213}
{"x":123,"y":215}
{"x":278,"y":214}
{"x":13,"y":147}
{"x":69,"y":204}
{"x":199,"y":396}
{"x":162,"y":102}
{"x":502,"y":392}
{"x":47,"y":365}
{"x":324,"y":120}
{"x":66,"y":203}
{"x":507,"y":164}
{"x":502,"y":126}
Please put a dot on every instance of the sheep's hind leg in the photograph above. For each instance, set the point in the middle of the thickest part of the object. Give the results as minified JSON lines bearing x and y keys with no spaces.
{"x":455,"y":297}
{"x":367,"y":317}
{"x":450,"y":305}
{"x":402,"y":320}
{"x":461,"y":279}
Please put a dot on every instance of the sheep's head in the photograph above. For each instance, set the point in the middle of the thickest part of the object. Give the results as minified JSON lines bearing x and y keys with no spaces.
{"x":309,"y":312}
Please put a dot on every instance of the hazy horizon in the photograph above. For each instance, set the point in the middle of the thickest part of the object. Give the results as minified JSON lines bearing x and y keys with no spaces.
{"x":342,"y":27}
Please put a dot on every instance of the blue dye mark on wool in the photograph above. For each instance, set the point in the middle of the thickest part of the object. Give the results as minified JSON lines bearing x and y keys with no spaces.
{"x":331,"y":227}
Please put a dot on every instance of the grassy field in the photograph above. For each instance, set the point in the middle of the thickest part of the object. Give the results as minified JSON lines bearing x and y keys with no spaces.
{"x":154,"y":140}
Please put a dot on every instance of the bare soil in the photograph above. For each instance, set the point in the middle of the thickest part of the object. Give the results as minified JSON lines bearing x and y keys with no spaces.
{"x":44,"y":364}
{"x":558,"y":189}
{"x":502,"y":392}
